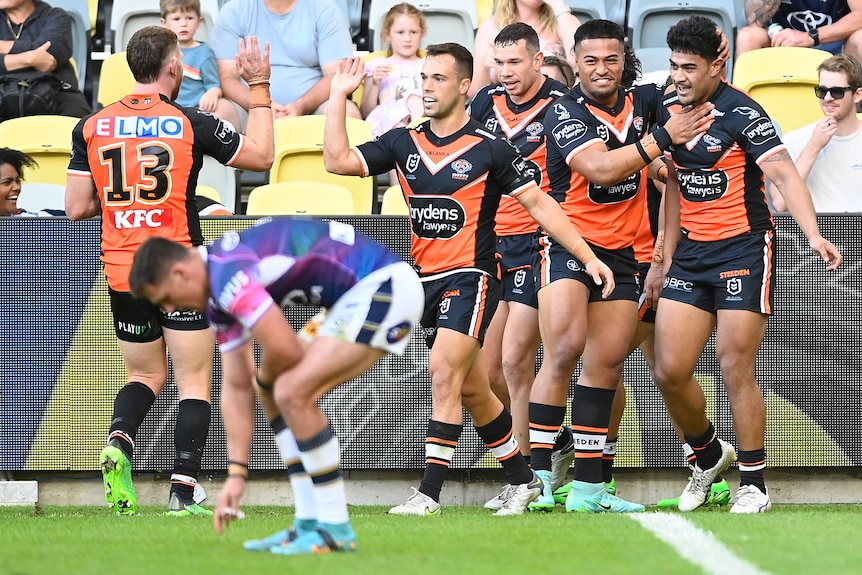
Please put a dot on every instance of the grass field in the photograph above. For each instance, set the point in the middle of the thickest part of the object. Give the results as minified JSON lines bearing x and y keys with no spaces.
{"x":464,"y":540}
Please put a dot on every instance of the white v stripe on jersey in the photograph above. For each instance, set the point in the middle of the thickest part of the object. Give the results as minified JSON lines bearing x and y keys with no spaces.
{"x":435,"y":167}
{"x":510,"y":131}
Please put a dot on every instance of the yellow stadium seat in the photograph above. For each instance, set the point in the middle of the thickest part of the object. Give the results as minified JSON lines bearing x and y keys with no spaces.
{"x":781,"y":79}
{"x":299,"y":156}
{"x":208,"y":192}
{"x":115,"y":80}
{"x":393,"y":202}
{"x":300,"y":197}
{"x":48,"y":139}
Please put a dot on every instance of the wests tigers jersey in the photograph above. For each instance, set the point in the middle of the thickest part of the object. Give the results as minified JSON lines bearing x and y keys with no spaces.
{"x":522,"y":125}
{"x":720,"y":180}
{"x":605,"y":216}
{"x":453,"y":187}
{"x":144,"y":154}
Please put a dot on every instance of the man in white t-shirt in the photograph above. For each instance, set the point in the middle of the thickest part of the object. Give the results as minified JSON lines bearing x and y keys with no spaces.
{"x":828,"y":153}
{"x":307,"y":39}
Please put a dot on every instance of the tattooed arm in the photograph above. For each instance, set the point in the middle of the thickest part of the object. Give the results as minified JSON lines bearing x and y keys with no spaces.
{"x":759,"y":12}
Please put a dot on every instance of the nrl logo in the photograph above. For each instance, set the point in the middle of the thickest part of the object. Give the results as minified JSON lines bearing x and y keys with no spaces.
{"x":412,"y":162}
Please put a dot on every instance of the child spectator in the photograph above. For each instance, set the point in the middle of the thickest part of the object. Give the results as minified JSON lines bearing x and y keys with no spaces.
{"x":200,"y":87}
{"x":393,"y":89}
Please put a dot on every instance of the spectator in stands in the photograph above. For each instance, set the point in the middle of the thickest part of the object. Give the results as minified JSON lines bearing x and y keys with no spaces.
{"x":308,"y":38}
{"x":393,"y":89}
{"x":559,"y":69}
{"x":828,"y":152}
{"x":551,"y":19}
{"x":12,"y":164}
{"x":37,"y":38}
{"x":824,"y":24}
{"x":200,"y":87}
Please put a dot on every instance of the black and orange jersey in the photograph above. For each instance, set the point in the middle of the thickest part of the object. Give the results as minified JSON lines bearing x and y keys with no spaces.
{"x":720,"y":181}
{"x":522,"y":125}
{"x":144,"y":154}
{"x":453,"y":186}
{"x":605,"y":216}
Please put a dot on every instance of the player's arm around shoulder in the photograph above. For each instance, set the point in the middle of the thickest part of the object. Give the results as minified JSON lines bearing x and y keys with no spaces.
{"x":337,"y":157}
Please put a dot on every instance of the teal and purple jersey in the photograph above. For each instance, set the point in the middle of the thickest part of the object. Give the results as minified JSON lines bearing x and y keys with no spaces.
{"x":285,"y":261}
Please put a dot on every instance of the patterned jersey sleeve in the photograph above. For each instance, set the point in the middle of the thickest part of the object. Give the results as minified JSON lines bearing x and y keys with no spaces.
{"x":571,"y":128}
{"x":511,"y":171}
{"x":215,"y":137}
{"x":377,"y":156}
{"x":755,"y":132}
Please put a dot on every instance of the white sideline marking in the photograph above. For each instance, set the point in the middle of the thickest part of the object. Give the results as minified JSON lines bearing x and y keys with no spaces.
{"x":694,"y":545}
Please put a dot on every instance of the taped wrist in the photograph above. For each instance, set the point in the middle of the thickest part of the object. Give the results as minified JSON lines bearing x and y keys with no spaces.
{"x":259,"y":96}
{"x":583,"y":252}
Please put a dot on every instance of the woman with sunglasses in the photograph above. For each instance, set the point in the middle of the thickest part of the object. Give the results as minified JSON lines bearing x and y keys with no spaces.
{"x":827,"y":152}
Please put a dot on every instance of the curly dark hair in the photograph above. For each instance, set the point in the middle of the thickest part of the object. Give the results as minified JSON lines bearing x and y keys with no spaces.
{"x":17,"y":159}
{"x":605,"y":29}
{"x":695,"y":35}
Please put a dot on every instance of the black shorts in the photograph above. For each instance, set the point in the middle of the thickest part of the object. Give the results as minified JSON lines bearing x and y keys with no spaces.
{"x":516,"y":263}
{"x":551,"y":262}
{"x":736,"y":273}
{"x":646,"y":314}
{"x":139,"y":321}
{"x":463,"y":301}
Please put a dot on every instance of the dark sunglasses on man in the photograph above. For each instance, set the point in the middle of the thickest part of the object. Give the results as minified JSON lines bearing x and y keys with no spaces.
{"x":837,"y":92}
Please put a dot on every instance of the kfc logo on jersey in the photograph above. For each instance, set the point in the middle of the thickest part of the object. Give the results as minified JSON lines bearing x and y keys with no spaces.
{"x":534,"y":131}
{"x":491,"y":124}
{"x":139,"y":127}
{"x":135,"y":219}
{"x":412,"y":162}
{"x":436,"y":217}
{"x":561,"y":112}
{"x":461,"y":167}
{"x":750,"y":113}
{"x":568,"y":132}
{"x":760,"y":131}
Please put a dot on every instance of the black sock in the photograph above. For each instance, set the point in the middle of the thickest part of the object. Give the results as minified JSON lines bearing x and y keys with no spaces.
{"x":131,"y":406}
{"x":752,"y":464}
{"x":440,"y":442}
{"x":500,"y":439}
{"x":190,"y":437}
{"x":591,"y":413}
{"x":545,"y":421}
{"x":706,"y":447}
